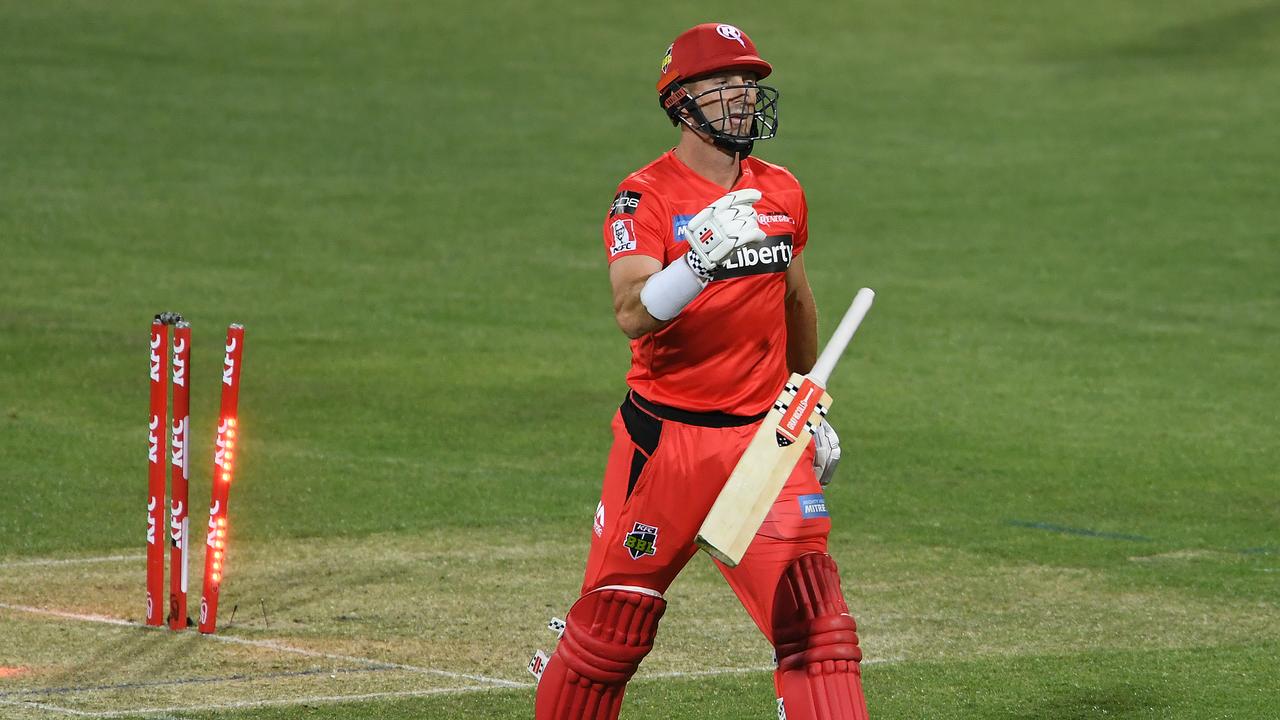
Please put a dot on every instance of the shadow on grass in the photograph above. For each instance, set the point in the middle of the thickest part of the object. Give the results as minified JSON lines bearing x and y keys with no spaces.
{"x":1118,"y":701}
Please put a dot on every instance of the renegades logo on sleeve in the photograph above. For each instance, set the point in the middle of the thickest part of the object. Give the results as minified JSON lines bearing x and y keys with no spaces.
{"x":625,"y":203}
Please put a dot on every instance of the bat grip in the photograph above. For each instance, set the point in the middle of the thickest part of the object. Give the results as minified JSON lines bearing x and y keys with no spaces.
{"x":821,"y":372}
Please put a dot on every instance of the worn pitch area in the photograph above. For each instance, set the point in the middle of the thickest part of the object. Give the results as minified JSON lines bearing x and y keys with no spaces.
{"x":398,"y":615}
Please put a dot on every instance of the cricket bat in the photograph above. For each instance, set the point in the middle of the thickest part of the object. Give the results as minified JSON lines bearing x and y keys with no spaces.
{"x":782,"y":437}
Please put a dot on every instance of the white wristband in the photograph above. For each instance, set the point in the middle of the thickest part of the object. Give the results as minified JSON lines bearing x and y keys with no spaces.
{"x":669,"y":290}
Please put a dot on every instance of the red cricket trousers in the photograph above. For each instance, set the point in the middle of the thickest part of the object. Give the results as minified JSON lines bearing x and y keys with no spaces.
{"x":665,"y":469}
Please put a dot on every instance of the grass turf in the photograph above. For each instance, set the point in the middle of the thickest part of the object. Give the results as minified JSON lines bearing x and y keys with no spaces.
{"x":1069,"y":213}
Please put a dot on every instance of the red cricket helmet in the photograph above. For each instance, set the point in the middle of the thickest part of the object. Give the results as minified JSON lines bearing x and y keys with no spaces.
{"x":710,"y":48}
{"x":707,"y":48}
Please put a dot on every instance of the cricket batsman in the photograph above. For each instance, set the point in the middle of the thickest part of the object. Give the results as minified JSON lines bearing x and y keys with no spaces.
{"x":706,"y":260}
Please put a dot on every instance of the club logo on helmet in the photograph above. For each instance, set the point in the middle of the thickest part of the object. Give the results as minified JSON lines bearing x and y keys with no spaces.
{"x":729,"y":32}
{"x":666,"y":60}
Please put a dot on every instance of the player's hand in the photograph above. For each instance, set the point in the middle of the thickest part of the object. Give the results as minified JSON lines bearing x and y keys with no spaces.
{"x":722,"y":227}
{"x":827,"y":453}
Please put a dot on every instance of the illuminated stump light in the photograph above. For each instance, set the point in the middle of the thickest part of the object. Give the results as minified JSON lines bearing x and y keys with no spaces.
{"x":223,"y":474}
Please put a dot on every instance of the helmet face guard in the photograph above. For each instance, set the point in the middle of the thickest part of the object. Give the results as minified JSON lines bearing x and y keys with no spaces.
{"x":683,"y":107}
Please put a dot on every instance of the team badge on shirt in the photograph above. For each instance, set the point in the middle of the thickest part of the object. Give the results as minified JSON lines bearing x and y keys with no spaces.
{"x":641,"y":541}
{"x":624,"y":236}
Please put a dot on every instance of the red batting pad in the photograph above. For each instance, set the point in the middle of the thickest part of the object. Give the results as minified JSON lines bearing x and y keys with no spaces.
{"x":818,"y":675}
{"x":607,"y":634}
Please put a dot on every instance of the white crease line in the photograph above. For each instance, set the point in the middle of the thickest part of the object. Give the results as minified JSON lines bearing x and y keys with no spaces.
{"x":47,"y":707}
{"x":70,"y":561}
{"x":494,"y":683}
{"x":70,"y":616}
{"x":71,"y":711}
{"x":680,"y":674}
{"x":272,"y":645}
{"x":677,"y":674}
{"x":247,"y":704}
{"x":284,"y":702}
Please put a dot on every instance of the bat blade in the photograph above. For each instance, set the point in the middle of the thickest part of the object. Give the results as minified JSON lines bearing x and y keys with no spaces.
{"x":764,"y":467}
{"x":762,"y":470}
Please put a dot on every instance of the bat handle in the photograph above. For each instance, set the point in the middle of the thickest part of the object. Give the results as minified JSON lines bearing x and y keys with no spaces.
{"x":821,"y":371}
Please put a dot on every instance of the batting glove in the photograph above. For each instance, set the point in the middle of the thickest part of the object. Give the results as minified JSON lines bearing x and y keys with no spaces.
{"x":827,"y":453}
{"x":722,"y":227}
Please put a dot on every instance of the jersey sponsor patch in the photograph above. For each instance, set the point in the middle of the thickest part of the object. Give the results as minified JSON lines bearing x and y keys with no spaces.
{"x":597,"y":527}
{"x":680,"y":227}
{"x":770,"y":218}
{"x":625,"y":203}
{"x":771,"y":255}
{"x":641,"y":541}
{"x":813,"y":506}
{"x":624,"y":236}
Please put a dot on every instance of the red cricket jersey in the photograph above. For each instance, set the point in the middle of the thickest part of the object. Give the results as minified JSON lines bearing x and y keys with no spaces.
{"x":726,"y":351}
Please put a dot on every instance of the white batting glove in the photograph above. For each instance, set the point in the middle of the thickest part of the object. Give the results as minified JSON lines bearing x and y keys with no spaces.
{"x":827,"y":453}
{"x":722,"y":227}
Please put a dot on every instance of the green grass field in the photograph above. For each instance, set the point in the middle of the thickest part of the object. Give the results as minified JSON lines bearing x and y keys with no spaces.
{"x":1060,"y":497}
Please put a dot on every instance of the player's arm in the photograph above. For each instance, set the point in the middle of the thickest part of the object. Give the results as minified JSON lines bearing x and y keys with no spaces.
{"x":646,"y":296}
{"x":628,"y":276}
{"x":802,"y":353}
{"x":802,"y":319}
